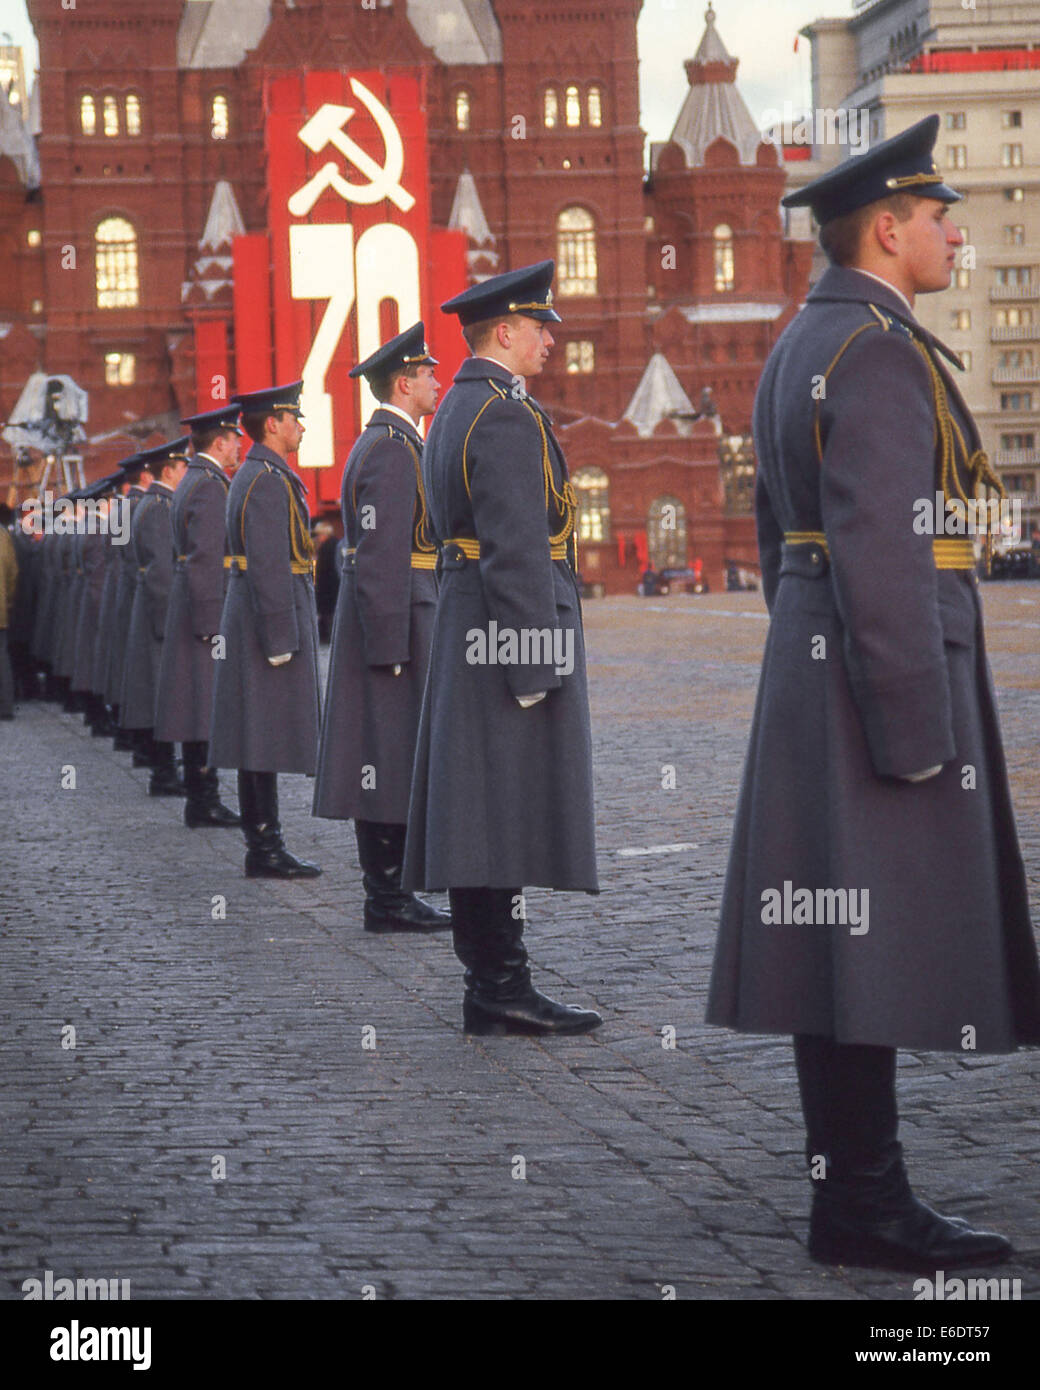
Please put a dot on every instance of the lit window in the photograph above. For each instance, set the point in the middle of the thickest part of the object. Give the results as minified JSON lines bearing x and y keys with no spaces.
{"x":573,"y":107}
{"x":1014,"y":274}
{"x":1015,"y":235}
{"x":1011,"y":120}
{"x":1014,"y":195}
{"x":1014,"y":318}
{"x":462,"y":110}
{"x":218,"y":117}
{"x":37,"y":306}
{"x":962,"y":279}
{"x":666,"y":534}
{"x":957,"y":156}
{"x":955,"y":120}
{"x":723,"y":235}
{"x":593,"y":491}
{"x":115,"y":264}
{"x":110,"y":116}
{"x":550,"y":108}
{"x":87,"y":114}
{"x":580,"y":357}
{"x":133,"y":115}
{"x":961,"y":320}
{"x":966,"y":359}
{"x":33,"y":237}
{"x":576,"y":252}
{"x":595,"y":106}
{"x":1011,"y":156}
{"x":1015,"y":357}
{"x":120,"y":368}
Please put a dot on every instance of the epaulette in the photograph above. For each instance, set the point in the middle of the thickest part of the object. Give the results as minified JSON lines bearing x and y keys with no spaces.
{"x":889,"y":322}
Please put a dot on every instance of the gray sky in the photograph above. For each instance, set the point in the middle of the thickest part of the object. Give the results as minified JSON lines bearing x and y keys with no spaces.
{"x":760,"y":33}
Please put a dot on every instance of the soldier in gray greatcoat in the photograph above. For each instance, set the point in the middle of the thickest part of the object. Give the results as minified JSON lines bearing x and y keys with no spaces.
{"x":502,"y":792}
{"x":184,"y":691}
{"x":93,"y":555}
{"x":139,"y":480}
{"x":381,"y":638}
{"x":152,"y":540}
{"x":875,"y":896}
{"x":265,"y":692}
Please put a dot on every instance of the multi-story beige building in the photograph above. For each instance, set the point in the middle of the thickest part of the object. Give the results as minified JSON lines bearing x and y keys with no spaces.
{"x":978,"y":66}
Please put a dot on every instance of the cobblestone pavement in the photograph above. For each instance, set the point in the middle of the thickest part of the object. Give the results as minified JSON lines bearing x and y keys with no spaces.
{"x":399,"y":1167}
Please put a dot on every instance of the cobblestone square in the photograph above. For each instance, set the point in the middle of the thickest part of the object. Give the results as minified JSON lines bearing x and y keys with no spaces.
{"x":220,"y":1129}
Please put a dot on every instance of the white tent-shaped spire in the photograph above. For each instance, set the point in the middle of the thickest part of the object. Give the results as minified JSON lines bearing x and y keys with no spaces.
{"x":224,"y":220}
{"x":467,"y":214}
{"x":659,"y":393}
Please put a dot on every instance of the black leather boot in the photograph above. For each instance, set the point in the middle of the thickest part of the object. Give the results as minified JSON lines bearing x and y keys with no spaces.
{"x":122,"y":739}
{"x":164,"y":780}
{"x":388,"y":908}
{"x":863,"y":1210}
{"x":203,"y":806}
{"x":499,"y":996}
{"x":266,"y":855}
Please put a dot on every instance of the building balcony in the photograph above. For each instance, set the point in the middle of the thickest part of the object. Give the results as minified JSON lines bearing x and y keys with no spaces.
{"x":1001,"y":292}
{"x":1003,"y":375}
{"x":1017,"y":458}
{"x":1021,"y":333}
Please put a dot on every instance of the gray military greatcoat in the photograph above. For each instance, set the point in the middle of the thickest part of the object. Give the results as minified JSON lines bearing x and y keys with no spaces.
{"x":874,"y":668}
{"x":65,"y":596}
{"x":265,"y":718}
{"x":502,"y":795}
{"x":184,"y":700}
{"x":384,"y":616}
{"x":104,"y":635}
{"x":126,"y":583}
{"x":93,"y":547}
{"x":152,"y":539}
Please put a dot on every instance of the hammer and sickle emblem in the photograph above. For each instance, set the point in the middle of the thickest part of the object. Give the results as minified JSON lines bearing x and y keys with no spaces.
{"x":326,"y":127}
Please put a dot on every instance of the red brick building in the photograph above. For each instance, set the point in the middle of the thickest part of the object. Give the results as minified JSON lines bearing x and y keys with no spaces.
{"x":152,"y":160}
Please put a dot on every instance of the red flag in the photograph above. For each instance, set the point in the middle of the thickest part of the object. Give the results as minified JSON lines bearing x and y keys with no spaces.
{"x":796,"y":43}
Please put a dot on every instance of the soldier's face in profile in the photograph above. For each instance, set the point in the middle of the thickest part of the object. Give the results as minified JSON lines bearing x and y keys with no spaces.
{"x":530,"y":340}
{"x":425,"y":389}
{"x":929,"y":243}
{"x":290,"y":430}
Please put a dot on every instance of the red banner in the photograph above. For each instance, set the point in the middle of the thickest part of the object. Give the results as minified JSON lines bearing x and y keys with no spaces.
{"x":353,"y":259}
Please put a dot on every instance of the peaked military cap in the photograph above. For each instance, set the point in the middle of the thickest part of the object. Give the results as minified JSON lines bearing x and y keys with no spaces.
{"x":524,"y":291}
{"x":170,"y":452}
{"x":226,"y":418}
{"x":408,"y":349}
{"x":130,"y":466}
{"x":103,"y":485}
{"x":902,"y":164}
{"x":270,"y":402}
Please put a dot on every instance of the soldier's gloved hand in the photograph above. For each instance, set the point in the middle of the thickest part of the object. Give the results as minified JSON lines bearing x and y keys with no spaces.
{"x":526,"y":701}
{"x":280,"y":660}
{"x":920,"y":776}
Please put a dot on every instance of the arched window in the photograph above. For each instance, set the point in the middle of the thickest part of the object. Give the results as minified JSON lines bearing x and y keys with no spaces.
{"x":87,"y":114}
{"x":594,"y":104}
{"x":576,"y":252}
{"x":593,"y":491}
{"x":573,"y":106}
{"x":580,"y":356}
{"x":550,"y":108}
{"x":219,"y":117}
{"x":723,"y":235}
{"x":115,"y":264}
{"x":666,"y":534}
{"x":133,"y":114}
{"x":462,"y":110}
{"x":110,"y":116}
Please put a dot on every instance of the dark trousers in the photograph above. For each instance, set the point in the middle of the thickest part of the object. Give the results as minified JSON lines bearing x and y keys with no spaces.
{"x":6,"y":678}
{"x":848,"y":1095}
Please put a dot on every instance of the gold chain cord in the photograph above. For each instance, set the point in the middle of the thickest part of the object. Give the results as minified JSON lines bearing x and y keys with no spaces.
{"x":946,"y":428}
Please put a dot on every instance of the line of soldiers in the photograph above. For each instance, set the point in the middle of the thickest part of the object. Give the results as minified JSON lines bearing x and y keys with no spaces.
{"x":202,"y":631}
